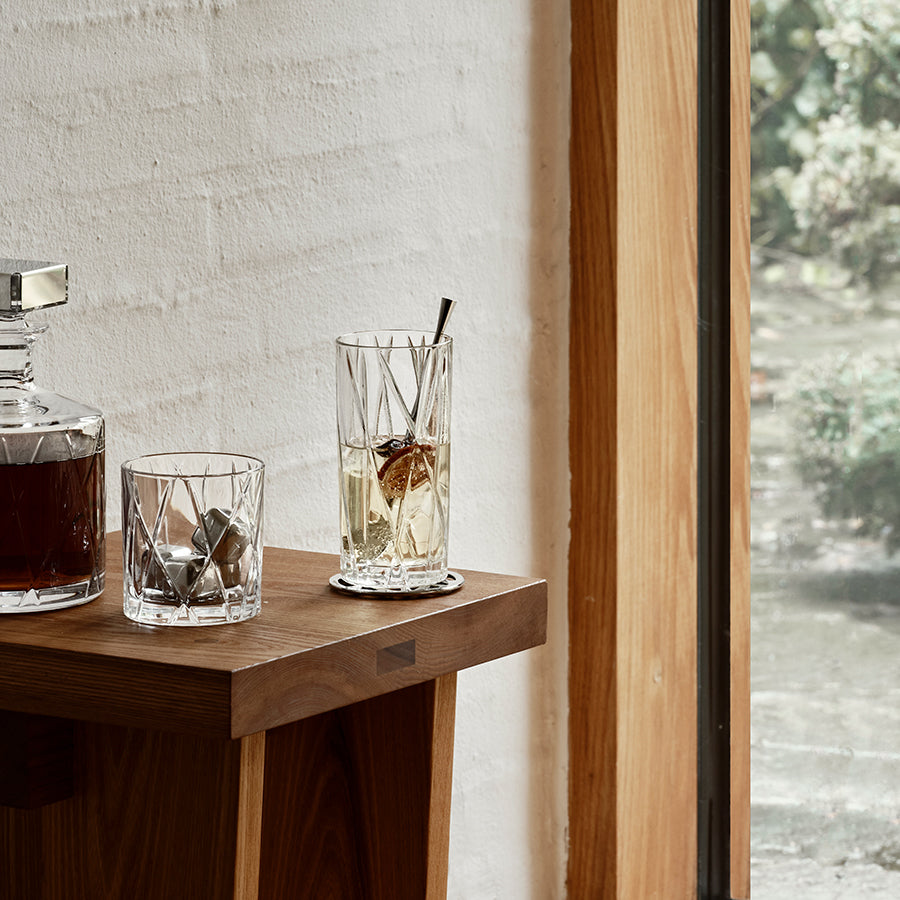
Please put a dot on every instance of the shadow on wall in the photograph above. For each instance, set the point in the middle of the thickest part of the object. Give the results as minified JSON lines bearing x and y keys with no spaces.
{"x":549,"y":306}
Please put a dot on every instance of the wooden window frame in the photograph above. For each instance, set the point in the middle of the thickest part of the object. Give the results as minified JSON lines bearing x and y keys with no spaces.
{"x":634,"y":561}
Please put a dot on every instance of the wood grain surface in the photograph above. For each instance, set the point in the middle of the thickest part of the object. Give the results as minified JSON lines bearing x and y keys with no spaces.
{"x":357,"y":800}
{"x":593,"y":447}
{"x":633,"y":575}
{"x":442,"y":713}
{"x":311,"y":650}
{"x":154,"y":814}
{"x":249,"y":826}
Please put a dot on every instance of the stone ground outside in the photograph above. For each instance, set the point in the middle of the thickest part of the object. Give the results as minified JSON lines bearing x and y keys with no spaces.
{"x":825,"y":636}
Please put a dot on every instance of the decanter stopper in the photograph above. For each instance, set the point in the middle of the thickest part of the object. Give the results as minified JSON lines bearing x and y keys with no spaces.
{"x":26,"y":285}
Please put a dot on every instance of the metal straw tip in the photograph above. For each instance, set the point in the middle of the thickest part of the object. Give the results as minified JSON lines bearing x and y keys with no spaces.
{"x":443,"y":317}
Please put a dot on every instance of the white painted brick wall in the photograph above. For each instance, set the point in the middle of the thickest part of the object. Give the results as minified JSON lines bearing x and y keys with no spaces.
{"x":235,"y":182}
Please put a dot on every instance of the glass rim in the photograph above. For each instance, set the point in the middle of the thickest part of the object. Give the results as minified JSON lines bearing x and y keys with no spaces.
{"x":368,"y":340}
{"x":135,"y":465}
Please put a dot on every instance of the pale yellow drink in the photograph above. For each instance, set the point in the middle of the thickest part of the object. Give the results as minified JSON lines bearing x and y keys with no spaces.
{"x":395,"y":512}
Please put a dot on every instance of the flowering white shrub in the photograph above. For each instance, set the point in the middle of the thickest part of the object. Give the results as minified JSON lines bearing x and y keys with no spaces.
{"x":826,"y":132}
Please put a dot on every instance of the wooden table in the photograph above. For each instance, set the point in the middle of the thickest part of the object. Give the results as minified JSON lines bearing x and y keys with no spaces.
{"x":304,"y":754}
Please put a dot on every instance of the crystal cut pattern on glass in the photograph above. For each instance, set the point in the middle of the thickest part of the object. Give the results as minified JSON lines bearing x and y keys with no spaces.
{"x":52,"y":486}
{"x":393,"y":400}
{"x":192,"y":538}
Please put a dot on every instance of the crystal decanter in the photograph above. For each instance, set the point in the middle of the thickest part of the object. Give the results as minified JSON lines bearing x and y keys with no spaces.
{"x":52,"y":491}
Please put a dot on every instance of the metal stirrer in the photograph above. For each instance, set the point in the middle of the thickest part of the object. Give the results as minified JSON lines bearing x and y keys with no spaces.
{"x":443,"y":317}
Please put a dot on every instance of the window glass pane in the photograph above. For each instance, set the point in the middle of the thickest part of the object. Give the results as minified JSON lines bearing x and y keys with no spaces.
{"x":825,"y":449}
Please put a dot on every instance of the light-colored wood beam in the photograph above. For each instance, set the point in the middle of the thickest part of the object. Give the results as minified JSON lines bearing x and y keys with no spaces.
{"x":633,"y":363}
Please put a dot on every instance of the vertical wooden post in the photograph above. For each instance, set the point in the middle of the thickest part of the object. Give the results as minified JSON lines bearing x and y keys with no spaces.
{"x":361,"y":797}
{"x":443,"y":726}
{"x":249,"y":816}
{"x":633,"y":435}
{"x":593,"y":434}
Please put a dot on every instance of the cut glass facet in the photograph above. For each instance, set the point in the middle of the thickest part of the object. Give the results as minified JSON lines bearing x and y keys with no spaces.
{"x":52,"y":486}
{"x":393,"y":396}
{"x":192,"y":527}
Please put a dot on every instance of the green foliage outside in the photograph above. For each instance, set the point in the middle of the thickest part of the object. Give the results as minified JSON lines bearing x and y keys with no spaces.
{"x":825,"y":154}
{"x":848,"y":428}
{"x":825,"y":139}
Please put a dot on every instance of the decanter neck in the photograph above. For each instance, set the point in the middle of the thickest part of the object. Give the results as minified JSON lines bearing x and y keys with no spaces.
{"x":16,"y":340}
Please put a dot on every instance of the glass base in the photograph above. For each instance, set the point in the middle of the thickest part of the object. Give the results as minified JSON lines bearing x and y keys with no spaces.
{"x":154,"y":608}
{"x":409,"y":577}
{"x":58,"y":597}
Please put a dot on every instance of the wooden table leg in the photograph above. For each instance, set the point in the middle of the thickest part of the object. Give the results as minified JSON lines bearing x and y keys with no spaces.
{"x":153,"y":815}
{"x":249,"y":817}
{"x":357,"y":800}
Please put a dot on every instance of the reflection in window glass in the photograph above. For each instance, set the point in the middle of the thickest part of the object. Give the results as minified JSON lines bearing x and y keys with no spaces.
{"x":825,"y":449}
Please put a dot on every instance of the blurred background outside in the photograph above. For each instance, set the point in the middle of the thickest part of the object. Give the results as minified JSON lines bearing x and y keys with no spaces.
{"x":825,"y":449}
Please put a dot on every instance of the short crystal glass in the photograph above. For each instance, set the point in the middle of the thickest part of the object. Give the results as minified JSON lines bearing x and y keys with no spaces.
{"x":393,"y":412}
{"x":192,"y":538}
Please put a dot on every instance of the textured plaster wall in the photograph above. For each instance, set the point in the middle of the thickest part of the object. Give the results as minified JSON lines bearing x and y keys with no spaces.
{"x":235,"y":182}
